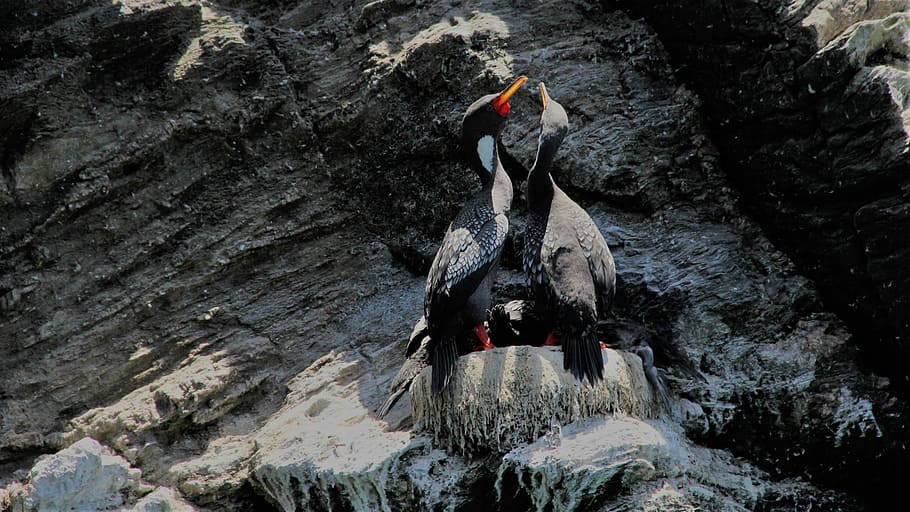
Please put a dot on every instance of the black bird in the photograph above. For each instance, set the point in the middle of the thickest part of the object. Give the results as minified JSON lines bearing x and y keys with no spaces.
{"x":516,"y":323}
{"x":459,"y":281}
{"x":570,"y":271}
{"x":418,"y":359}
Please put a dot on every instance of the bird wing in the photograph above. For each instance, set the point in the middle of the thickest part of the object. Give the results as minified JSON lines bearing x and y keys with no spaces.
{"x":410,"y":369}
{"x":600,"y":260}
{"x":568,"y":288}
{"x":415,"y":340}
{"x":562,"y":276}
{"x":560,"y":280}
{"x":531,"y":257}
{"x":463,"y":260}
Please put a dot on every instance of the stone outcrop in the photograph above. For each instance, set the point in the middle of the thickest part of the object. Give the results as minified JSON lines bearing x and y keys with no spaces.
{"x":88,"y":476}
{"x":502,"y":399}
{"x":807,"y":103}
{"x":216,"y":219}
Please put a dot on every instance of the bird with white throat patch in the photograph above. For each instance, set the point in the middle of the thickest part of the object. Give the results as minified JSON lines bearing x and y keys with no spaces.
{"x":463,"y":271}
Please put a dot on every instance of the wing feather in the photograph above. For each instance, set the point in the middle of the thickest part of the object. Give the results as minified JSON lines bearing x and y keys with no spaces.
{"x":463,"y":260}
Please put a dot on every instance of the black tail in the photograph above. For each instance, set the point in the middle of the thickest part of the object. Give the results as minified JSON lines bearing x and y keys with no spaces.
{"x":442,"y":357}
{"x":583,"y":356}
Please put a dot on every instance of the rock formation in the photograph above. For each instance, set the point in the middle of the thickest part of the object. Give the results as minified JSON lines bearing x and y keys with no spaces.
{"x":807,"y":104}
{"x":216,"y":218}
{"x":512,"y":396}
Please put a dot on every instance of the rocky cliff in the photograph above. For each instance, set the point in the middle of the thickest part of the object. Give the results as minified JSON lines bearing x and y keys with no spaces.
{"x":807,"y":104}
{"x":217,"y":218}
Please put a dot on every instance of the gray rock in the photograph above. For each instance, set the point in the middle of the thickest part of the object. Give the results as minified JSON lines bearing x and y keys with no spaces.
{"x":593,"y":458}
{"x":621,"y":462}
{"x":163,"y":499}
{"x":88,"y":476}
{"x":85,"y":476}
{"x":201,"y":201}
{"x":806,"y":103}
{"x":324,"y":446}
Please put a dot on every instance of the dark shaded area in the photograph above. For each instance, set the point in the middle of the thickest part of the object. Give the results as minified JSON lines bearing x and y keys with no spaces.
{"x":514,"y":495}
{"x":814,"y":145}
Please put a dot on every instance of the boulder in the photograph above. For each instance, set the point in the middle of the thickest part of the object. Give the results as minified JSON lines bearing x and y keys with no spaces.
{"x":506,"y":397}
{"x":88,"y":476}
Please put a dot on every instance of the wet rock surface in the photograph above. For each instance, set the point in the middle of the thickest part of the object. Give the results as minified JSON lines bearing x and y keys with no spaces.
{"x":807,"y":103}
{"x":216,"y":218}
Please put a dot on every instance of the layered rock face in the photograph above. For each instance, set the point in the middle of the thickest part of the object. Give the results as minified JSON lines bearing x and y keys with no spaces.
{"x":217,"y":218}
{"x":807,"y":102}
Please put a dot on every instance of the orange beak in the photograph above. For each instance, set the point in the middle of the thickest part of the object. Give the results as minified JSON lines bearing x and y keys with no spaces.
{"x":501,"y":102}
{"x":544,"y":97}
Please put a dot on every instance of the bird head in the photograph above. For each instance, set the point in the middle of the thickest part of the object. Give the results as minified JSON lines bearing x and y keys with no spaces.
{"x":554,"y":123}
{"x":483,"y":123}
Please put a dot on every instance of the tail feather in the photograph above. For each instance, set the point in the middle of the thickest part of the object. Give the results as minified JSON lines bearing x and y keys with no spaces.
{"x":444,"y":354}
{"x":583,"y":356}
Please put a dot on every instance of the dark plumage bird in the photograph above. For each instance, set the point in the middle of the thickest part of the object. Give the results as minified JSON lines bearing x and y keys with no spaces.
{"x":413,"y":364}
{"x":462,"y":274}
{"x":569,"y":267}
{"x":516,"y":323}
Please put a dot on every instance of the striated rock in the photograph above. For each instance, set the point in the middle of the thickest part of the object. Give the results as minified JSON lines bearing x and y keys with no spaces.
{"x":162,"y":499}
{"x":200,"y":200}
{"x":206,"y":384}
{"x":326,"y":451}
{"x":616,"y":454}
{"x":831,"y":18}
{"x":501,"y":398}
{"x":323,"y":447}
{"x":624,"y":463}
{"x":84,"y":476}
{"x":806,"y":100}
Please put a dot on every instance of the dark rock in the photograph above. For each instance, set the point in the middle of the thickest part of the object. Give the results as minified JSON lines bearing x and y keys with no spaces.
{"x":803,"y":102}
{"x":194,"y":218}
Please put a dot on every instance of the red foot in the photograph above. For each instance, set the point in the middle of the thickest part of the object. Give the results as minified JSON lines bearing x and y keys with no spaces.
{"x":603,"y":346}
{"x":552,"y":340}
{"x":484,"y":338}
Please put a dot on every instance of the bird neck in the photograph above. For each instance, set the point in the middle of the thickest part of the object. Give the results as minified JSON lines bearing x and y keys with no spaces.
{"x":483,"y":157}
{"x":540,"y":183}
{"x":501,"y":189}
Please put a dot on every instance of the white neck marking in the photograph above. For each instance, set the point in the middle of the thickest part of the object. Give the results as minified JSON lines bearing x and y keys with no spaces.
{"x":485,"y":151}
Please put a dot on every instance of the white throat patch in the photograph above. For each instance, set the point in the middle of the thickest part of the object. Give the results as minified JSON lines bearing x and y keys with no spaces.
{"x":485,"y":151}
